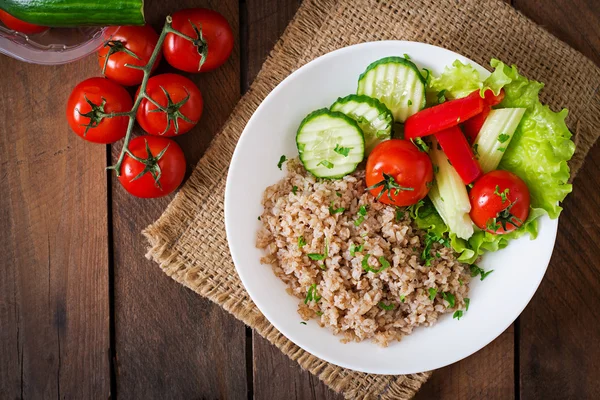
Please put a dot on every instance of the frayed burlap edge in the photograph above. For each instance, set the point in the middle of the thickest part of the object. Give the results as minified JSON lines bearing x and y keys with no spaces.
{"x":206,"y":185}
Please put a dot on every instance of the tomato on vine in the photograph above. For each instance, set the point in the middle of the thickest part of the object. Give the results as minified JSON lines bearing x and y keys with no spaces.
{"x":88,"y":106}
{"x":153,"y":167}
{"x":131,"y":45}
{"x":211,"y":45}
{"x":20,"y":26}
{"x":398,"y":173}
{"x":173,"y":105}
{"x":499,"y":202}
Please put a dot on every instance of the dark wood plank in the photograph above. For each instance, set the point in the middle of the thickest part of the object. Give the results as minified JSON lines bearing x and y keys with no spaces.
{"x":574,"y":21}
{"x":275,"y":375}
{"x":487,"y":374}
{"x":171,"y":343}
{"x":560,"y":328}
{"x":54,"y":304}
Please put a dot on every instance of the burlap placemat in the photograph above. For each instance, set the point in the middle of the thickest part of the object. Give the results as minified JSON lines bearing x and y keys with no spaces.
{"x":188,"y":240}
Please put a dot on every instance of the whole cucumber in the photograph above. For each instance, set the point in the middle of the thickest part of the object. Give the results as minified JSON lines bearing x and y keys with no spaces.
{"x":63,"y":13}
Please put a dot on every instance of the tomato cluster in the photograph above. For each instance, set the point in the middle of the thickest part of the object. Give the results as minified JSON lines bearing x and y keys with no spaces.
{"x":99,"y":109}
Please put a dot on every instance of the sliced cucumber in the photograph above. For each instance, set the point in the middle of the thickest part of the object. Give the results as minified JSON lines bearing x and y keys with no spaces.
{"x":330,"y":144}
{"x":373,"y":117}
{"x":397,"y":83}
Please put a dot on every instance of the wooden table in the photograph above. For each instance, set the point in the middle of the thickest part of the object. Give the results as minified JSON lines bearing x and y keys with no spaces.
{"x":83,"y":315}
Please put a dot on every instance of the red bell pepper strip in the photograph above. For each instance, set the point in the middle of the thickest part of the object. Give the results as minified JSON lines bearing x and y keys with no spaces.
{"x":443,"y":116}
{"x":459,"y":154}
{"x":472,"y":126}
{"x":491,"y":99}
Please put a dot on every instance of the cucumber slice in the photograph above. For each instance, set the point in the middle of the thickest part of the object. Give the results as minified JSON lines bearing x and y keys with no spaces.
{"x":397,"y":83}
{"x":330,"y":144}
{"x":373,"y":117}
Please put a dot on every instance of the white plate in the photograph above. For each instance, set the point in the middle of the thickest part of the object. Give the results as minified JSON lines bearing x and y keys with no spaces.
{"x":495,"y":302}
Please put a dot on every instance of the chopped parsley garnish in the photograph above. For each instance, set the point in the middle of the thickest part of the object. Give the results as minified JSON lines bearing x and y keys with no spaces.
{"x":365,"y":264}
{"x":402,"y":298}
{"x":467,"y":302}
{"x":303,"y":323}
{"x":326,"y":164}
{"x":432,"y":293}
{"x":356,"y":249}
{"x":503,"y":137}
{"x":409,"y":102}
{"x":420,"y":143}
{"x":437,"y":254}
{"x":502,"y":195}
{"x":294,"y":189}
{"x":399,"y":214}
{"x":301,"y":242}
{"x":259,"y":217}
{"x":475,"y":270}
{"x":460,"y":282}
{"x":319,"y":313}
{"x":323,"y":267}
{"x":501,"y":149}
{"x":362,"y":211}
{"x":406,"y":56}
{"x":430,"y":239}
{"x":476,"y":149}
{"x":436,"y":169}
{"x":333,"y":211}
{"x":386,"y":307}
{"x":429,"y":184}
{"x":441,"y":96}
{"x":344,"y":151}
{"x":457,"y":314}
{"x":282,"y":159}
{"x":449,"y":297}
{"x":312,"y":294}
{"x":316,"y":256}
{"x":338,"y":194}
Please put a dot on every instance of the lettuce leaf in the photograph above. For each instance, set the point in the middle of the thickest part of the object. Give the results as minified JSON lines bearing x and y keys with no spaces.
{"x":541,"y":145}
{"x":460,"y":80}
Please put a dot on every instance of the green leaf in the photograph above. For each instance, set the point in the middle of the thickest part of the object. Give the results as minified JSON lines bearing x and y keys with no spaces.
{"x":402,"y":298}
{"x":449,"y":297}
{"x":541,"y":145}
{"x":467,"y":302}
{"x":503,"y":137}
{"x":294,"y":189}
{"x":385,"y":307}
{"x":333,"y":211}
{"x":282,"y":159}
{"x":326,"y":164}
{"x":432,"y":293}
{"x":316,"y":256}
{"x":301,"y":242}
{"x":457,"y":314}
{"x":344,"y":151}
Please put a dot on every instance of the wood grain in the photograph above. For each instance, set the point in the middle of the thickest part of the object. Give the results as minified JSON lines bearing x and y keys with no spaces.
{"x":560,"y":353}
{"x":170,"y":342}
{"x":54,"y":304}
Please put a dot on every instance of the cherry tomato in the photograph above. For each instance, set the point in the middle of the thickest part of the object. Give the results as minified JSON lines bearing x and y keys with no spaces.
{"x":398,"y":173}
{"x":123,"y":43}
{"x":179,"y":115}
{"x":20,"y":26}
{"x":92,"y":98}
{"x":499,"y":202}
{"x":212,"y":45}
{"x":157,"y":169}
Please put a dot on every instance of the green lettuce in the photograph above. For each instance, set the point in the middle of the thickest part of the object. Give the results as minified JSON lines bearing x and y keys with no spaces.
{"x":538,"y":153}
{"x":460,"y":80}
{"x":541,"y":145}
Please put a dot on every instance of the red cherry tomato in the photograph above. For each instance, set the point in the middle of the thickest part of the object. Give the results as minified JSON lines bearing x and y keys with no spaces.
{"x":181,"y":115}
{"x":213,"y":39}
{"x":398,"y":173}
{"x":499,"y":202}
{"x":122,"y":42}
{"x":157,"y":169}
{"x":20,"y":26}
{"x":103,"y":96}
